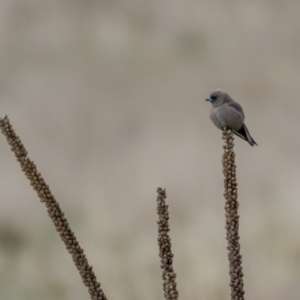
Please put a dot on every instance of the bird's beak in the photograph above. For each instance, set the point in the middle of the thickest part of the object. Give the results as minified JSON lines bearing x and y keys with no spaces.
{"x":209,"y":99}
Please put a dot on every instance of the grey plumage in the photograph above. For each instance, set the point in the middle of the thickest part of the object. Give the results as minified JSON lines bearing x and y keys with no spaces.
{"x":225,"y":112}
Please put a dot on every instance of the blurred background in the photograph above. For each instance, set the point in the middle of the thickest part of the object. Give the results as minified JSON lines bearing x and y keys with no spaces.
{"x":108,"y":97}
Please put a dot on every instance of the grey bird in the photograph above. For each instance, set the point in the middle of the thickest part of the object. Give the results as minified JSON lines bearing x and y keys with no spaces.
{"x":225,"y":112}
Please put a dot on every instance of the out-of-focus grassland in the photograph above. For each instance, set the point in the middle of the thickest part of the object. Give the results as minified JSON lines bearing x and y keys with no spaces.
{"x":108,"y":98}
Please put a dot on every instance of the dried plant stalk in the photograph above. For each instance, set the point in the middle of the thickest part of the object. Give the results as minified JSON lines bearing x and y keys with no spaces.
{"x":164,"y":244}
{"x":232,"y":217}
{"x":55,"y":213}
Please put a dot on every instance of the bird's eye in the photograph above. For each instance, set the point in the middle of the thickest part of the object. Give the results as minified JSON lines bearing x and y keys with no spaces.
{"x":213,"y":98}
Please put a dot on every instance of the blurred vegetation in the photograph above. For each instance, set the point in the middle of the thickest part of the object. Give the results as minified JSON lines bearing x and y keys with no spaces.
{"x":108,"y":97}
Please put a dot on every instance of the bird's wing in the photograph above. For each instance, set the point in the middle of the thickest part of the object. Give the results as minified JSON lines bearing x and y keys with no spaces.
{"x":240,"y":135}
{"x":245,"y":135}
{"x":237,"y":107}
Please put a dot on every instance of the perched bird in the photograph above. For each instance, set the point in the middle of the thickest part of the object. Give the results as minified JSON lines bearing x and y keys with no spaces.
{"x":225,"y":112}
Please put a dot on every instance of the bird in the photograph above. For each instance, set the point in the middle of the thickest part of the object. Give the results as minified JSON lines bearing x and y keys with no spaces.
{"x":225,"y":112}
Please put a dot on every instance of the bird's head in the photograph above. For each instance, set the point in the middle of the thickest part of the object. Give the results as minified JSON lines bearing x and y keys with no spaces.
{"x":218,"y":97}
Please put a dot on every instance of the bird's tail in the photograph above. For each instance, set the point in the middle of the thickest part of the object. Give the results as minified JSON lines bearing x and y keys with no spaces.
{"x":245,"y":135}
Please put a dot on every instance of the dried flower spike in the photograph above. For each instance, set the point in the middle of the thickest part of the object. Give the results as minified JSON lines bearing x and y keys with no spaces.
{"x":164,"y":244}
{"x":232,"y":217}
{"x":54,"y":211}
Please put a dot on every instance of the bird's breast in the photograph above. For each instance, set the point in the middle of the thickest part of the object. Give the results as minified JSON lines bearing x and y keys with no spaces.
{"x":228,"y":117}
